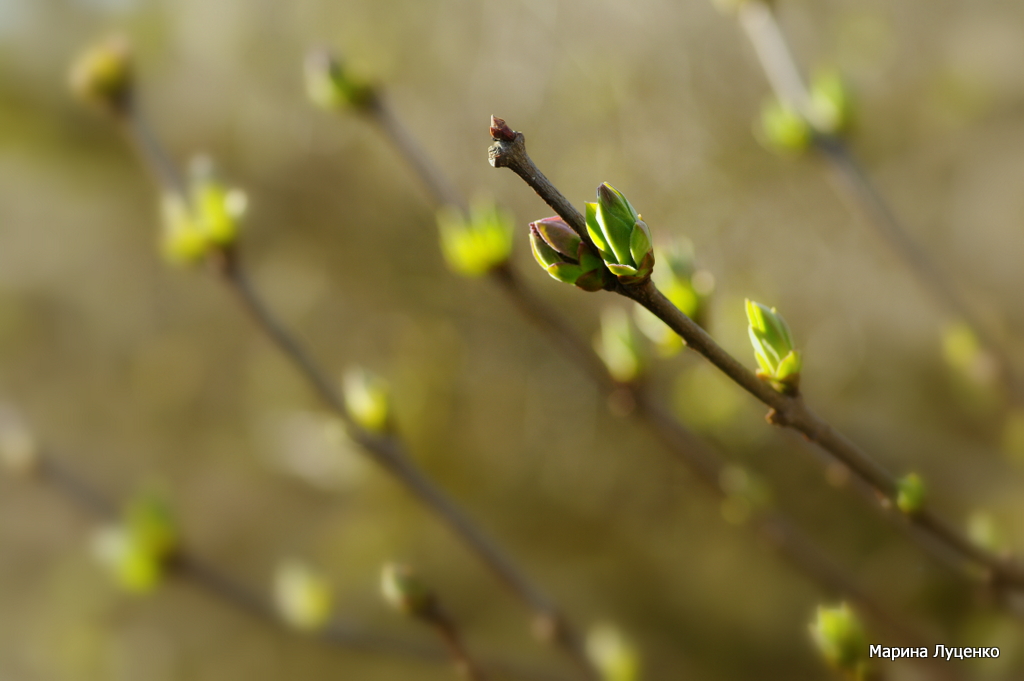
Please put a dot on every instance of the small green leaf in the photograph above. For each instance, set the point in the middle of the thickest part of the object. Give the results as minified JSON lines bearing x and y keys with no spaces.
{"x":616,"y":658}
{"x":594,"y":230}
{"x":622,"y":270}
{"x":565,"y":272}
{"x":367,"y":399}
{"x":841,"y":640}
{"x":782,"y":128}
{"x":640,"y":241}
{"x":910,"y":495}
{"x":403,"y":590}
{"x":304,"y":598}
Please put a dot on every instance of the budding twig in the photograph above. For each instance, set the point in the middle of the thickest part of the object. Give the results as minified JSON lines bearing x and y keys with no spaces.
{"x":195,"y":570}
{"x":796,"y":548}
{"x":386,"y":451}
{"x":787,"y":410}
{"x":758,"y":21}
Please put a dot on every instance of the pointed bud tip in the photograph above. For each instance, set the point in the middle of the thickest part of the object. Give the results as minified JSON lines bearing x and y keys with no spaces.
{"x":500,"y":130}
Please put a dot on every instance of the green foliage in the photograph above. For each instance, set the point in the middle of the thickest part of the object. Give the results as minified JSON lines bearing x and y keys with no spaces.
{"x":474,"y":245}
{"x":331,"y":86}
{"x":840,"y":638}
{"x":782,"y":128}
{"x":137,"y":550}
{"x":206,"y":220}
{"x":911,"y":494}
{"x":773,"y":348}
{"x":615,"y":657}
{"x":566,"y":257}
{"x":103,"y":75}
{"x":403,"y":590}
{"x":304,"y":598}
{"x":368,"y":399}
{"x":621,"y":237}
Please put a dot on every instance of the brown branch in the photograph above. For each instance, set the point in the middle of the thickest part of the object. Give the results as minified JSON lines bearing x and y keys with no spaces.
{"x":192,"y":569}
{"x":798,"y":550}
{"x":386,"y":451}
{"x":786,"y":410}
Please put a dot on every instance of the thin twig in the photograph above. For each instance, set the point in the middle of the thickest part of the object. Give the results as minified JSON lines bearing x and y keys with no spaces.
{"x":387,"y":451}
{"x":795,"y":547}
{"x":790,"y":411}
{"x":195,"y":570}
{"x":759,"y":23}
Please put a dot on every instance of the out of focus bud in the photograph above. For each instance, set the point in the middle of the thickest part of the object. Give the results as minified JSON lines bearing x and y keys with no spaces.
{"x":830,"y":101}
{"x":368,"y":399}
{"x":303,"y":597}
{"x":205,"y":220}
{"x":566,"y":257}
{"x":137,"y":550}
{"x":614,"y":656}
{"x":840,"y":639}
{"x":330,"y":85}
{"x":19,"y":451}
{"x":475,"y":245}
{"x":982,"y":530}
{"x":621,"y":237}
{"x":782,"y":129}
{"x":911,"y":493}
{"x":618,"y":345}
{"x":773,"y":348}
{"x":103,"y":76}
{"x":403,"y":591}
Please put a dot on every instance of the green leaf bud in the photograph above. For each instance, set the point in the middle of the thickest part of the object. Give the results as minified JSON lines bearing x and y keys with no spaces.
{"x":618,"y":345}
{"x":773,"y":348}
{"x":138,"y":549}
{"x":368,"y":399}
{"x":205,"y":220}
{"x":621,"y":237}
{"x":303,"y":597}
{"x":330,"y":85}
{"x":782,"y":128}
{"x":403,"y":590}
{"x":830,"y":100}
{"x":911,"y":493}
{"x":840,"y":638}
{"x":982,"y":530}
{"x":103,"y":76}
{"x":474,"y":245}
{"x":218,"y":209}
{"x":565,"y":256}
{"x":615,"y":657}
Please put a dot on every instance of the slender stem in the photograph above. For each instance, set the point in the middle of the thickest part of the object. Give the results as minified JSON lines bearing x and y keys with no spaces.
{"x":195,"y":570}
{"x":759,"y":23}
{"x":448,"y":631}
{"x":786,"y":410}
{"x":795,"y":547}
{"x":388,"y":452}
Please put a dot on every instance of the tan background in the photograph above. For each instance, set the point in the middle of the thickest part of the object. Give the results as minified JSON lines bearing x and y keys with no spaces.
{"x":134,"y":371}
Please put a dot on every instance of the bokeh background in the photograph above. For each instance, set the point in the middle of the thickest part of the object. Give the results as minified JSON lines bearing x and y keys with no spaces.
{"x":137,"y":373}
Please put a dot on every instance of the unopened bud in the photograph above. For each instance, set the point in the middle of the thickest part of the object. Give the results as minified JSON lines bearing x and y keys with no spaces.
{"x":621,"y":237}
{"x":780,"y":362}
{"x":403,"y":590}
{"x":840,"y":638}
{"x":476,"y":244}
{"x":330,"y":85}
{"x":303,"y":597}
{"x":368,"y":399}
{"x":103,"y":75}
{"x":911,"y":494}
{"x":615,"y":657}
{"x":566,"y":257}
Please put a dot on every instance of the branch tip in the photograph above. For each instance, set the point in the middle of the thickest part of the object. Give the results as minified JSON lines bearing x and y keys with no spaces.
{"x":500,"y":130}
